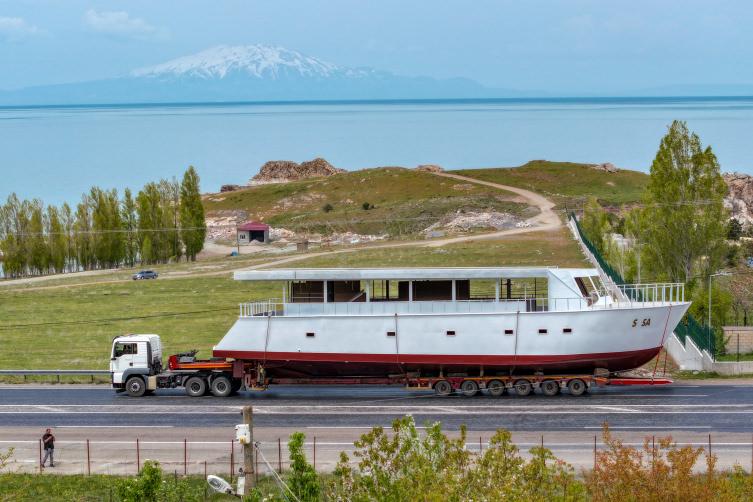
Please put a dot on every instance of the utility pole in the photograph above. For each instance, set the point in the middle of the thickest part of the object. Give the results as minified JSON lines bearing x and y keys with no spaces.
{"x":248,"y":451}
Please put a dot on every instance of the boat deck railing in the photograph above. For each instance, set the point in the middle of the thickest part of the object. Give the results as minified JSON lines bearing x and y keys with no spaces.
{"x":630,"y":296}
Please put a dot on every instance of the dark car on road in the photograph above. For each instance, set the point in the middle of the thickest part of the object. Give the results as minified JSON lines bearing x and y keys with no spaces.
{"x":145,"y":274}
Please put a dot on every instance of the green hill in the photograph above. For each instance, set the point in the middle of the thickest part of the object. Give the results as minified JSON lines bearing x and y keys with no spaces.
{"x":404,"y":202}
{"x":568,"y":183}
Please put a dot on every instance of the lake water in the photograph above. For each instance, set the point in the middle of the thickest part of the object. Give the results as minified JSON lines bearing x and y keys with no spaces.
{"x":56,"y":153}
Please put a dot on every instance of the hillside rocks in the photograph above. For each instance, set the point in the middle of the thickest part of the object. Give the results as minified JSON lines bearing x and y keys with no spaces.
{"x":229,"y":188}
{"x":430,"y":168}
{"x":282,"y":171}
{"x":465,"y":221}
{"x":739,"y":200}
{"x":606,"y":166}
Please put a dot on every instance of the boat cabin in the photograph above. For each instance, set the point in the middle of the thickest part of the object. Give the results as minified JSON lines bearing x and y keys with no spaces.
{"x":426,"y":290}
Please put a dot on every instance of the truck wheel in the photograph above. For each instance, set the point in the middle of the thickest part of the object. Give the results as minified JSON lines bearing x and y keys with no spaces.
{"x":469,"y":388}
{"x":221,"y":386}
{"x":576,"y":386}
{"x":443,"y":388}
{"x":135,"y":386}
{"x":550,"y":387}
{"x":196,"y":386}
{"x":496,"y":388}
{"x":522,"y":387}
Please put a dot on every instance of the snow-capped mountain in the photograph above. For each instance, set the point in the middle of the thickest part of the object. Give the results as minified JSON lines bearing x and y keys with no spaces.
{"x":258,"y":61}
{"x":250,"y":73}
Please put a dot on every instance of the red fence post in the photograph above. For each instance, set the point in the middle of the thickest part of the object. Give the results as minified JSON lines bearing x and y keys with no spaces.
{"x":88,"y":460}
{"x":138,"y":457}
{"x":185,"y":457}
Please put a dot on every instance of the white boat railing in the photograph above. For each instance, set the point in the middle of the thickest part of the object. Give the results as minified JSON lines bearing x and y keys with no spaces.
{"x":631,"y":295}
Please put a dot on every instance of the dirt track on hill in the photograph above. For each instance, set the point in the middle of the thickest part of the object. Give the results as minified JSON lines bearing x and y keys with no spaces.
{"x":546,"y":220}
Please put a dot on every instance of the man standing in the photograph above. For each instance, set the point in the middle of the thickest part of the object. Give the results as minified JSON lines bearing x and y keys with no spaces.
{"x":48,"y":441}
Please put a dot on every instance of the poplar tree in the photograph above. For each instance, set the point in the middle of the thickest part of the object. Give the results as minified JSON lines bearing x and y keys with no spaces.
{"x":130,"y":226}
{"x":56,"y":237}
{"x":193,"y":225}
{"x":685,"y":216}
{"x":36,"y":242}
{"x":148,"y":208}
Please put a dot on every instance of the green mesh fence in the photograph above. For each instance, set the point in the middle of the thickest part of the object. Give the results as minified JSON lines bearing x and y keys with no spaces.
{"x":688,"y":327}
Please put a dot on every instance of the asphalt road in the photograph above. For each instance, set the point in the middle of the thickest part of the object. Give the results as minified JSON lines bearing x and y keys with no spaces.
{"x":712,"y":408}
{"x":97,"y":429}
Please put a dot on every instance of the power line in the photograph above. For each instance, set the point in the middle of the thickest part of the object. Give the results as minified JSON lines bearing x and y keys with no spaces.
{"x":113,"y":319}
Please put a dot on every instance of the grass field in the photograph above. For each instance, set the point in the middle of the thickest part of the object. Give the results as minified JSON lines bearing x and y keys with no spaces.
{"x":405,"y":201}
{"x":535,"y":248}
{"x":567,"y":183}
{"x":72,"y":327}
{"x":95,"y":488}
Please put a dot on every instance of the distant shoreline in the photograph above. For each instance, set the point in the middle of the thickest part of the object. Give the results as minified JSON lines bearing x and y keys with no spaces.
{"x":627,"y":100}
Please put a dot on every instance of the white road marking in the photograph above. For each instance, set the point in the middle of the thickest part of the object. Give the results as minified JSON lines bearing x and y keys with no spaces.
{"x":650,"y":427}
{"x":113,"y":426}
{"x":614,"y":408}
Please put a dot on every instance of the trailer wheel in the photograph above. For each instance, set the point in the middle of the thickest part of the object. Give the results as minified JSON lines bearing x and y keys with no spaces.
{"x":496,"y":388}
{"x":196,"y":386}
{"x":576,"y":386}
{"x":469,"y":388}
{"x":221,"y":386}
{"x":550,"y":387}
{"x":522,"y":387}
{"x":135,"y":386}
{"x":443,"y":388}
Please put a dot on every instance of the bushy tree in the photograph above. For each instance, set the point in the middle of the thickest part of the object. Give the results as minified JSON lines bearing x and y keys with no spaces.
{"x":685,"y":215}
{"x":433,"y":467}
{"x":595,"y":224}
{"x":302,"y":479}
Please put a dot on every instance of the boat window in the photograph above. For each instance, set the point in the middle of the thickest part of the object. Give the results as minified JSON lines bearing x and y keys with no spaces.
{"x":508,"y":332}
{"x":543,"y":331}
{"x":390,"y":333}
{"x":122,"y":349}
{"x":310,"y":335}
{"x":450,"y":333}
{"x":567,"y":330}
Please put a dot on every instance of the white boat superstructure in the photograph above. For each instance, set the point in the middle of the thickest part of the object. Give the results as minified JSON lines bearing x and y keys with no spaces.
{"x":345,"y":322}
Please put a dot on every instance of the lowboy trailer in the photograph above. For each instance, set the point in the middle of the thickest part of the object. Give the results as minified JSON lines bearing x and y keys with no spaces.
{"x":136,"y":368}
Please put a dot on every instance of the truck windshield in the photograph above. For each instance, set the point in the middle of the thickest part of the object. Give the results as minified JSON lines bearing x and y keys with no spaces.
{"x":121,"y":349}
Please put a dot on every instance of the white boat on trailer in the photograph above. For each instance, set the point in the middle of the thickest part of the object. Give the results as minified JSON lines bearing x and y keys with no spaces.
{"x":456,"y":325}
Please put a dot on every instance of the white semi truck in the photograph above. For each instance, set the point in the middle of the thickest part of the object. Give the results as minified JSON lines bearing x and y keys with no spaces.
{"x":136,"y":368}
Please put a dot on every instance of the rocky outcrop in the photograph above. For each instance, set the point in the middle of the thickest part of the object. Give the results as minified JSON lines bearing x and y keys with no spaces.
{"x":430,"y":168}
{"x":282,"y":171}
{"x":229,"y":188}
{"x":739,"y":200}
{"x":606,"y":166}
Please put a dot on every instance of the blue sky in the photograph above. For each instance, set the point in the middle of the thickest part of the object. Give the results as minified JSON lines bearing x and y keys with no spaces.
{"x":566,"y":46}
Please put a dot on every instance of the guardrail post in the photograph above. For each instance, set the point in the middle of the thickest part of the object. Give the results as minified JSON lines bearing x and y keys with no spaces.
{"x":185,"y":457}
{"x":279,"y":455}
{"x":138,"y":457}
{"x":314,"y":454}
{"x":40,"y":456}
{"x":88,"y":460}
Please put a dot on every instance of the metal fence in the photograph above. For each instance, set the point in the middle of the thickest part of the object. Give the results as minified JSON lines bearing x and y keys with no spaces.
{"x":700,"y":334}
{"x":55,"y":373}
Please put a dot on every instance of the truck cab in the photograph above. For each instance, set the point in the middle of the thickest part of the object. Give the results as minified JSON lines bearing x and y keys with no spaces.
{"x":133,"y":359}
